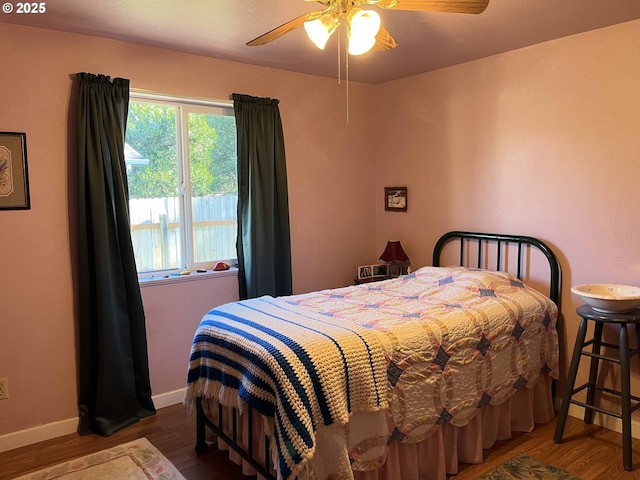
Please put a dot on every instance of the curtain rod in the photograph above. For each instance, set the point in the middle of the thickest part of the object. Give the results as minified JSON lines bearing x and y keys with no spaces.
{"x":147,"y":95}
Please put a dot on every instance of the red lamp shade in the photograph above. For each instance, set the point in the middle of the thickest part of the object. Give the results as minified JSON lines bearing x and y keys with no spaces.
{"x":393,"y":252}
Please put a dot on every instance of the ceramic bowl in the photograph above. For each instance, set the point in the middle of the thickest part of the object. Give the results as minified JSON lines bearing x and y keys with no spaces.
{"x":608,"y":297}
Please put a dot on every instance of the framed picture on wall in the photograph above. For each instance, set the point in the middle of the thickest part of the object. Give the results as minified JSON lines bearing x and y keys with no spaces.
{"x":395,"y":199}
{"x":14,"y":181}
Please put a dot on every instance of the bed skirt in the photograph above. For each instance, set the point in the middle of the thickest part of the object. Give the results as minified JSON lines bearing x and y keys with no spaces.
{"x":440,"y":453}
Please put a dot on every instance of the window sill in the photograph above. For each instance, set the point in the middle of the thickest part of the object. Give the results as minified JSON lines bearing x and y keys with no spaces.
{"x":152,"y":280}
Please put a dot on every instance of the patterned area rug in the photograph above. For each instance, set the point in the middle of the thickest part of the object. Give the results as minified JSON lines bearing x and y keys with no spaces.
{"x":137,"y":460}
{"x":525,"y":467}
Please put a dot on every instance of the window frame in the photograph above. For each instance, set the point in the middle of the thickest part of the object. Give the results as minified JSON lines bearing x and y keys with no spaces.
{"x":184,"y":106}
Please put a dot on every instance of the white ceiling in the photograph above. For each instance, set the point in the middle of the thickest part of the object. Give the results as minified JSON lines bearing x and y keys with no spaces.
{"x":426,"y":41}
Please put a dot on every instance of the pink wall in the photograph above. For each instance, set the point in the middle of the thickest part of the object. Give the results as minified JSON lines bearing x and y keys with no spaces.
{"x":331,"y":187}
{"x":173,"y":313}
{"x":542,"y":141}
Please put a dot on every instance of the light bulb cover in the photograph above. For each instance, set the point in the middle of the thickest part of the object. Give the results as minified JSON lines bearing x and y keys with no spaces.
{"x":364,"y":22}
{"x":362,"y":28}
{"x":320,"y":29}
{"x":360,"y":45}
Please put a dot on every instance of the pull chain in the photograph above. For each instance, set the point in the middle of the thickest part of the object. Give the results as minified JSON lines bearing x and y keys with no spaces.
{"x":346,"y":61}
{"x":339,"y":49}
{"x":346,"y":65}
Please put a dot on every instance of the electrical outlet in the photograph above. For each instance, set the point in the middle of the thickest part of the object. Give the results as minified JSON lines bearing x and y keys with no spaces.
{"x":4,"y":388}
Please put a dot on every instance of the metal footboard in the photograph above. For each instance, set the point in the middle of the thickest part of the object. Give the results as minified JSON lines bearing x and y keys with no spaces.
{"x":202,"y":422}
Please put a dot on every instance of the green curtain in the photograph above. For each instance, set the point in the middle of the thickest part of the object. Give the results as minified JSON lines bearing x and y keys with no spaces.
{"x":264,"y":244}
{"x":114,"y":388}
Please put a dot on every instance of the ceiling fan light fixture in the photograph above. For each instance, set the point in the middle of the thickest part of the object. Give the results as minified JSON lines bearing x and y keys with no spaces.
{"x":360,"y":45}
{"x":364,"y":22}
{"x":363,"y":26}
{"x":320,"y":29}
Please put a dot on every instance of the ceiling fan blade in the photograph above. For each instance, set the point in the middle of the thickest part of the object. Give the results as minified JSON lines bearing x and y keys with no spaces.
{"x":277,"y":32}
{"x":384,"y":41}
{"x":449,"y":6}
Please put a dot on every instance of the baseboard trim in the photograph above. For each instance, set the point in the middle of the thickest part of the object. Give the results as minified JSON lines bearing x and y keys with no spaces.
{"x":65,"y":427}
{"x":41,"y":433}
{"x":167,"y":399}
{"x":37,"y":434}
{"x":605,"y":421}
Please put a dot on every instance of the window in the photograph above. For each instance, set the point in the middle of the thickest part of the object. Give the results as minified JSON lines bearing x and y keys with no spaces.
{"x":181,"y":168}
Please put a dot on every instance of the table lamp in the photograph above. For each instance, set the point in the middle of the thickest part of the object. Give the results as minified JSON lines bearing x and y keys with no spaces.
{"x":395,"y":255}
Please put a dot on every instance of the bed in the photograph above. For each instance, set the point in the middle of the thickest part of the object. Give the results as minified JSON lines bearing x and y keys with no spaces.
{"x":398,"y":379}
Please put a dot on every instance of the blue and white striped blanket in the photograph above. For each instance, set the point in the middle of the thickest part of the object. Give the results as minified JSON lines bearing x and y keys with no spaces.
{"x":302,"y":368}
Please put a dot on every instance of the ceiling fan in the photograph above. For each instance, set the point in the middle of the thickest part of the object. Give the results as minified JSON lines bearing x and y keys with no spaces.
{"x":364,"y":29}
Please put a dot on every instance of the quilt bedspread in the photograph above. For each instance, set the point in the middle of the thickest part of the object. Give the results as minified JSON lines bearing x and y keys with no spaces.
{"x":454,"y":338}
{"x":426,"y":348}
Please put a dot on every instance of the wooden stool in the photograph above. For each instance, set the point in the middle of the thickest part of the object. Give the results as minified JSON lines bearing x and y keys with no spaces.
{"x":600,"y":318}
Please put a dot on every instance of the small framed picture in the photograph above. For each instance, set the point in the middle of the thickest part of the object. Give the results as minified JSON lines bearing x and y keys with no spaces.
{"x":381,"y":270}
{"x":395,"y":199}
{"x":14,"y":181}
{"x":395,"y":270}
{"x":365,"y":271}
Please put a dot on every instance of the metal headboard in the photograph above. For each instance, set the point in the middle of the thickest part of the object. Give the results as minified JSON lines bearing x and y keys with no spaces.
{"x":467,"y":239}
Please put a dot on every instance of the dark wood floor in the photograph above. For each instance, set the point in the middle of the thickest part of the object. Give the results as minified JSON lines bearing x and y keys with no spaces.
{"x":588,"y":451}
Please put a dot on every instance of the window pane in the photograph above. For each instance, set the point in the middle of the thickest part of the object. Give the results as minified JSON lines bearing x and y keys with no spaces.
{"x":214,"y":188}
{"x":152,"y":171}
